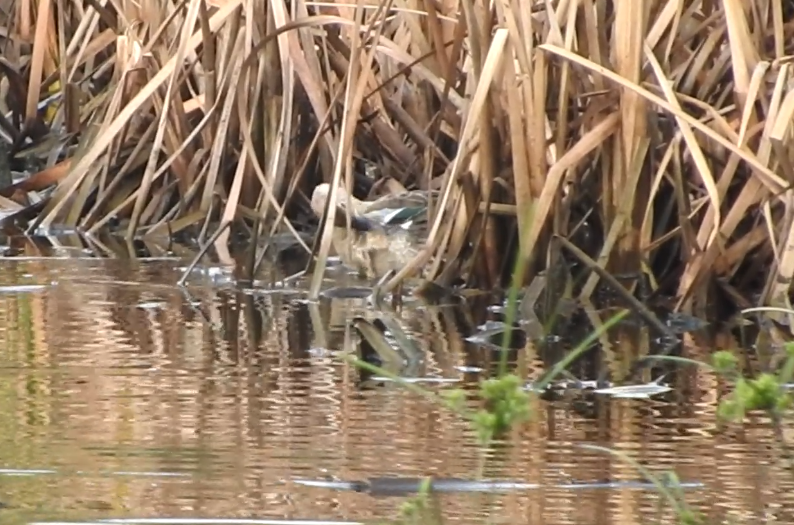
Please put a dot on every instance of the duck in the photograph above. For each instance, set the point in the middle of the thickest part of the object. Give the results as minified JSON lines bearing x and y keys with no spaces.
{"x":385,"y":234}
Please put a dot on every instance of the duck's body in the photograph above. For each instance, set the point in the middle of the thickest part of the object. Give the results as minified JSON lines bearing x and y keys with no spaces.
{"x":385,"y":234}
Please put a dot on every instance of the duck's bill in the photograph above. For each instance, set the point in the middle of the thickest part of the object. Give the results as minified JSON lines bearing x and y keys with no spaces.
{"x":357,"y":223}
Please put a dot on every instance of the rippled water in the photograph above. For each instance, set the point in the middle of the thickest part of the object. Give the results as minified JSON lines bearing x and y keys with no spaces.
{"x":125,"y":396}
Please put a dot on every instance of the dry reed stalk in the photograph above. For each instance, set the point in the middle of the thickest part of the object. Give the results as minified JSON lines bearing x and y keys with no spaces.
{"x":356,"y":80}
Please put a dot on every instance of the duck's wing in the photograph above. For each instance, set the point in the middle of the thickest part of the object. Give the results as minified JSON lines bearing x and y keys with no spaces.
{"x":406,"y":199}
{"x":407,"y":209}
{"x":397,"y":216}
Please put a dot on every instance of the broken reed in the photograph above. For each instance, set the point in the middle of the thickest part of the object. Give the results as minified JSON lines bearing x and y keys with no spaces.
{"x":655,"y":135}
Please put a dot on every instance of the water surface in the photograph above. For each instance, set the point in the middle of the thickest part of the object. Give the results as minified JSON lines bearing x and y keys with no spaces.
{"x":125,"y":396}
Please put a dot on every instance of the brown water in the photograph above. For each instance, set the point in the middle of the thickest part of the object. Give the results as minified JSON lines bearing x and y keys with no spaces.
{"x":124,"y":396}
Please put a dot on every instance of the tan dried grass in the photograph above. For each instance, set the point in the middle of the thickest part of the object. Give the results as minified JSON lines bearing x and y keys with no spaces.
{"x":589,"y":112}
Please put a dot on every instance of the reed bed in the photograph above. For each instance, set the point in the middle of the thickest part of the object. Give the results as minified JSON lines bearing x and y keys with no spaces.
{"x":655,"y":136}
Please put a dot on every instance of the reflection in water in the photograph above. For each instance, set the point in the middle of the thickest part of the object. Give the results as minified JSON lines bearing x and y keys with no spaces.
{"x":122,"y":395}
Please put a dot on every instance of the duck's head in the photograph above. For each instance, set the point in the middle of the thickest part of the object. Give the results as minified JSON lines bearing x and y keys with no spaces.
{"x":358,"y":223}
{"x":319,"y":198}
{"x":323,"y":191}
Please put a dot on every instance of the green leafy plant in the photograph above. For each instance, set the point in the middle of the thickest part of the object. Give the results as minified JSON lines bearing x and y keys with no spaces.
{"x":763,"y":392}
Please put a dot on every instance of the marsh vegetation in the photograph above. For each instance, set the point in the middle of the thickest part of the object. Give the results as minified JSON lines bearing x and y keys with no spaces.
{"x":595,"y":146}
{"x":655,"y":136}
